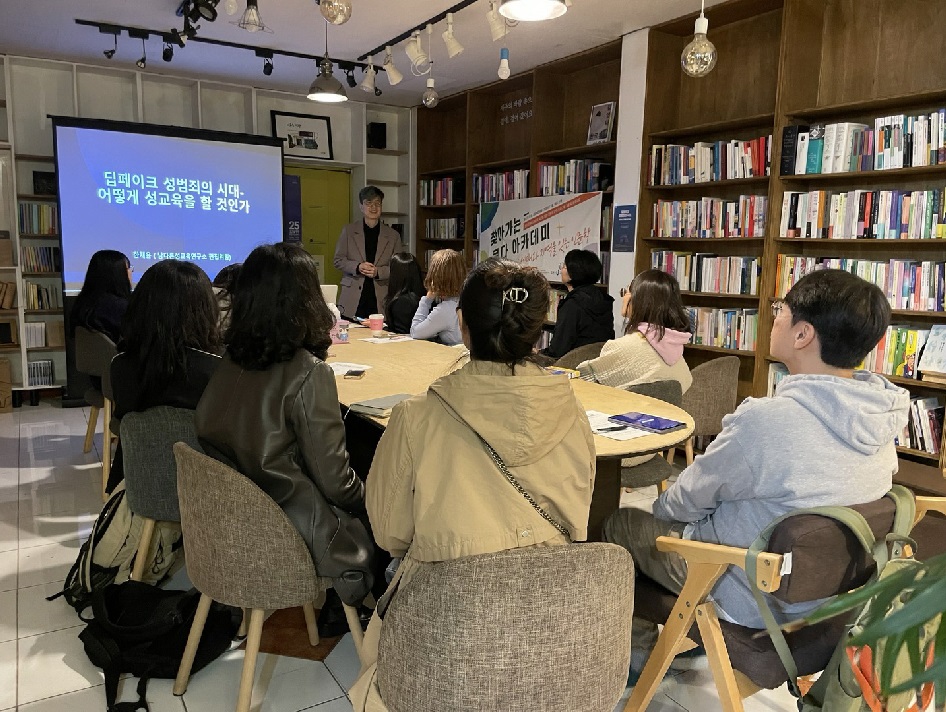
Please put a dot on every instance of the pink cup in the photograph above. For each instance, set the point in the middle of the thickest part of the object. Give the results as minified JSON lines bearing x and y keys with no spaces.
{"x":376,"y":324}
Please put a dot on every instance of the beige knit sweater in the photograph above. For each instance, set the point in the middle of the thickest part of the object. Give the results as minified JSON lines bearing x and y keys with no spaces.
{"x":631,"y":360}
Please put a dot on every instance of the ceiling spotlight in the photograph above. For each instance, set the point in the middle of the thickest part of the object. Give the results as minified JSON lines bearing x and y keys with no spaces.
{"x":251,"y":20}
{"x":377,"y":91}
{"x":414,"y":51}
{"x":168,"y":54}
{"x":338,"y":12}
{"x":367,"y":84}
{"x":699,"y":56}
{"x":326,"y":88}
{"x":268,"y":66}
{"x":453,"y":47}
{"x":202,"y":10}
{"x":431,"y":98}
{"x":532,"y":10}
{"x":503,"y":71}
{"x":109,"y":53}
{"x":394,"y":76}
{"x":497,"y":23}
{"x":350,"y":77}
{"x":143,"y":62}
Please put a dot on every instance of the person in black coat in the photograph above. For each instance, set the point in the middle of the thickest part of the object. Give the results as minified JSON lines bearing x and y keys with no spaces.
{"x":586,"y":314}
{"x":169,"y":346}
{"x":405,"y":288}
{"x":103,"y":299}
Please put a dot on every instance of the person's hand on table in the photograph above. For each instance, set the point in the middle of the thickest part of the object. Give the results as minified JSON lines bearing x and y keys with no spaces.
{"x":368,"y":269}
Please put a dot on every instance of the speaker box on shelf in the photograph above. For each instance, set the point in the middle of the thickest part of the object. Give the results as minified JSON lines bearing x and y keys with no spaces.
{"x":377,"y":135}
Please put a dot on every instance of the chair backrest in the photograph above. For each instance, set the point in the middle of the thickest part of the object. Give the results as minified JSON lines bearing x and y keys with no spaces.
{"x":148,"y":459}
{"x":712,"y":394}
{"x":668,"y":391}
{"x":94,"y":352}
{"x":242,"y":550}
{"x":580,"y":355}
{"x":537,"y":628}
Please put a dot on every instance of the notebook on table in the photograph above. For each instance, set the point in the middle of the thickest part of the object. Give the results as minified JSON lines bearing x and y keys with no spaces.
{"x":379,"y":407}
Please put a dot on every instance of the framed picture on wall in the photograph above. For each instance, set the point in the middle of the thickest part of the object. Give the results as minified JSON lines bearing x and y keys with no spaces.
{"x":601,"y":123}
{"x":304,"y":135}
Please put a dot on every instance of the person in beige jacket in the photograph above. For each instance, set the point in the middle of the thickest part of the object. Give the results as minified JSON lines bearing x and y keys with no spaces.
{"x":434,"y":493}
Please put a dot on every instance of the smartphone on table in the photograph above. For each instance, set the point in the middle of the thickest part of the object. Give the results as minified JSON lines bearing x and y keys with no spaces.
{"x":650,"y":423}
{"x":355,"y":373}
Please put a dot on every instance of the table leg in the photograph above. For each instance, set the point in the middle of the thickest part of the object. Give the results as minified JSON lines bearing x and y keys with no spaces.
{"x":606,"y":497}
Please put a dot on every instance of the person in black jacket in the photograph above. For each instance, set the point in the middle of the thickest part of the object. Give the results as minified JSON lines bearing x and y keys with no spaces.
{"x":103,"y":299}
{"x":585,"y":315}
{"x":405,"y":288}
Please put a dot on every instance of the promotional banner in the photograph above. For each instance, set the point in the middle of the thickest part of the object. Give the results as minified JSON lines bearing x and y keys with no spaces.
{"x":539,"y":231}
{"x":292,"y":209}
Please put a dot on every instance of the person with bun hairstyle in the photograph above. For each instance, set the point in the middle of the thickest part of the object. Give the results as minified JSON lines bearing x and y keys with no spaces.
{"x":435,"y":493}
{"x":436,"y":315}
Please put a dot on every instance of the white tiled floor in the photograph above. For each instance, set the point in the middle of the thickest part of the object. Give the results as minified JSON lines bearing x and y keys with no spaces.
{"x":49,"y":496}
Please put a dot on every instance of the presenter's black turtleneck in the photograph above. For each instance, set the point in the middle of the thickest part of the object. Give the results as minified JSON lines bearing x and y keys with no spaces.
{"x":368,"y":304}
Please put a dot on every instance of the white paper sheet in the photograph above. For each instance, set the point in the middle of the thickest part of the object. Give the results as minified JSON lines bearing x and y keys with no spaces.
{"x":387,"y":339}
{"x":600,"y":425}
{"x":340,"y":368}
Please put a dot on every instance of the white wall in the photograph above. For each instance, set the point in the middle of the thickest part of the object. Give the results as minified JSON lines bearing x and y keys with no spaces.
{"x":630,"y":143}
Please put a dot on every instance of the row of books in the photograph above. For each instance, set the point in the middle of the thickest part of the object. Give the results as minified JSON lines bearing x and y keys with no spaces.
{"x":7,"y":295}
{"x":705,"y":272}
{"x":555,"y":298}
{"x":711,"y":217}
{"x":897,"y":352}
{"x":545,"y":338}
{"x":777,"y":371}
{"x":40,"y":373}
{"x":508,"y":185}
{"x":34,"y":334}
{"x":442,"y":191}
{"x":909,"y":284}
{"x":868,"y":214}
{"x":580,"y":175}
{"x":725,"y":328}
{"x":39,"y":296}
{"x":707,"y":161}
{"x":38,"y":218}
{"x":40,"y":259}
{"x":899,"y":141}
{"x":444,"y":228}
{"x":924,"y":431}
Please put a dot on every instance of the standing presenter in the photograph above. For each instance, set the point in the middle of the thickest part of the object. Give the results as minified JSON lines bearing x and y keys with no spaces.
{"x":363,"y":256}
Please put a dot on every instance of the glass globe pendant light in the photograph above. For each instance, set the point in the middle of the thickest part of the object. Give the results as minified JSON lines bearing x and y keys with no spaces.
{"x":699,"y":56}
{"x":338,"y":12}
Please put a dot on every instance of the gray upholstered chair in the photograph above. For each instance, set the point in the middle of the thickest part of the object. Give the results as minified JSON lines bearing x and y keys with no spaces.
{"x":537,"y":628}
{"x":150,"y":471}
{"x":579,"y":355}
{"x":656,"y":470}
{"x":242,"y":551}
{"x":94,"y":354}
{"x":711,"y":397}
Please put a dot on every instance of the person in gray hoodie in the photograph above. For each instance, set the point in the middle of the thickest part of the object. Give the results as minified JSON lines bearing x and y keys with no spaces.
{"x":825,"y":438}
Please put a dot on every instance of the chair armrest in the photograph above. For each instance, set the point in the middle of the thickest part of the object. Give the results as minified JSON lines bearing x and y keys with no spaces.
{"x":929,"y":504}
{"x":768,"y":577}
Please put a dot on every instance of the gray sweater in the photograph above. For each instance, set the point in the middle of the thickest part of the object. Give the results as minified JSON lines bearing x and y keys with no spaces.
{"x":821,"y":440}
{"x":440,"y":324}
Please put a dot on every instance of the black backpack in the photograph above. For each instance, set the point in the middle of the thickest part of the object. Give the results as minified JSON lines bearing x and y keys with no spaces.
{"x":142,"y":630}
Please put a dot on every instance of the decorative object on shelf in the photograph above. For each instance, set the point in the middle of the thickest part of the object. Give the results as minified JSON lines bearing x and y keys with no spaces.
{"x":394,"y":76}
{"x":503,"y":71}
{"x":377,"y":134}
{"x":326,"y":88}
{"x":8,"y":331}
{"x":601,"y":123}
{"x":453,"y":46}
{"x":532,"y":10}
{"x":44,"y":183}
{"x":338,"y":12}
{"x":305,"y":136}
{"x":699,"y":56}
{"x":251,"y":20}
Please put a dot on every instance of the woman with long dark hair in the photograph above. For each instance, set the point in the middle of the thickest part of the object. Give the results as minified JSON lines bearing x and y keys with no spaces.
{"x":271,"y":410}
{"x":405,"y":288}
{"x":103,"y":299}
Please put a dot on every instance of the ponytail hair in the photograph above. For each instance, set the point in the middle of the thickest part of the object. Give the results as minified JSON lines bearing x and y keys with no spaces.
{"x":504,"y":307}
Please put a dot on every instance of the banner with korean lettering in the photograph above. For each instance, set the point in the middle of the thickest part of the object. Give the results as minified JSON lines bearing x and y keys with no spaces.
{"x":539,"y":231}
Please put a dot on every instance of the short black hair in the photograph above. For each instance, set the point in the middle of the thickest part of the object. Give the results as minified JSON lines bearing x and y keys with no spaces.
{"x":583,"y":267}
{"x":849,"y":314}
{"x":369,"y":192}
{"x":277,"y":309}
{"x":107,"y":274}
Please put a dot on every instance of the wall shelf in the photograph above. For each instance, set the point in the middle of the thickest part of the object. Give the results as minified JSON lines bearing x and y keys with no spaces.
{"x":762,"y":121}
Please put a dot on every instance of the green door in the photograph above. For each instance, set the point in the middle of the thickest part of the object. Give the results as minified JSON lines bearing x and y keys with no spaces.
{"x":326,"y":209}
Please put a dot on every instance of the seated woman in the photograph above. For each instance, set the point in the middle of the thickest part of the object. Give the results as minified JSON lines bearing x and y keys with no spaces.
{"x":586,"y":314}
{"x":436,"y":315}
{"x":405,"y":287}
{"x":271,"y":411}
{"x":224,"y":285}
{"x":652,"y":347}
{"x":169,"y":345}
{"x":103,"y":299}
{"x":434,"y":492}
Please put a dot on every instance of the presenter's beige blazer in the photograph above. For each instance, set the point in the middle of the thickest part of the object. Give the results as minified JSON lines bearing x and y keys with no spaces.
{"x":350,"y":252}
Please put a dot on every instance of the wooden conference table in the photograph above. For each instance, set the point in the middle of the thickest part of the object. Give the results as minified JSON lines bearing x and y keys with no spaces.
{"x":411,"y":366}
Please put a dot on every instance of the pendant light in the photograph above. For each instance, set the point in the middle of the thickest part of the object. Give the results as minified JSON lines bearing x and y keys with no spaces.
{"x":338,"y":12}
{"x":532,"y":10}
{"x":251,"y":20}
{"x":430,"y":98}
{"x":326,"y":88}
{"x":699,"y":56}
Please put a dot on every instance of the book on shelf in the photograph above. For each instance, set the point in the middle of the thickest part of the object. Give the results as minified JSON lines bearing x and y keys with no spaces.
{"x":7,"y":295}
{"x":897,"y":352}
{"x":545,"y":338}
{"x":442,"y":191}
{"x":735,"y":329}
{"x":911,"y":285}
{"x":932,"y":360}
{"x":40,"y":259}
{"x":555,"y":298}
{"x":607,"y":223}
{"x":37,"y":218}
{"x":507,"y":185}
{"x":865,"y":214}
{"x":40,"y":373}
{"x":777,"y":371}
{"x":56,"y":333}
{"x":38,"y":296}
{"x":790,"y":152}
{"x":710,"y":217}
{"x":34,"y":334}
{"x":6,"y":249}
{"x":575,"y":176}
{"x":708,"y":161}
{"x":924,"y":430}
{"x":815,"y":149}
{"x":705,"y":272}
{"x":444,"y":228}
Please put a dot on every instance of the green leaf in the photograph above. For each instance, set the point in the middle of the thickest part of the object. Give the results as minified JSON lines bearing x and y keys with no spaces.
{"x":888,"y":660}
{"x":918,"y":610}
{"x":934,"y":673}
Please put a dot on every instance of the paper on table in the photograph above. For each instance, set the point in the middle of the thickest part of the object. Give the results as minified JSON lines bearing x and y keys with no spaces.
{"x":387,"y":339}
{"x":600,"y":425}
{"x":340,"y":368}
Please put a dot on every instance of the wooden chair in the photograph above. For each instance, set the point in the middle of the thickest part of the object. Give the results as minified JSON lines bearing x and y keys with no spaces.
{"x":826,"y":559}
{"x":242,"y":551}
{"x":94,"y":354}
{"x":538,"y":628}
{"x":656,"y":470}
{"x":580,"y":355}
{"x":711,"y":397}
{"x":150,"y":470}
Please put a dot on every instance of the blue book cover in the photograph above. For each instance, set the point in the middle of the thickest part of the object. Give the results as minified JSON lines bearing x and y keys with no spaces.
{"x":815,"y":148}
